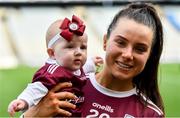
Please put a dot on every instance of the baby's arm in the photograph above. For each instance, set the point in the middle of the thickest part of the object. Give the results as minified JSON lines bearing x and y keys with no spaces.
{"x":31,"y":95}
{"x":92,"y":63}
{"x":98,"y":61}
{"x":17,"y":105}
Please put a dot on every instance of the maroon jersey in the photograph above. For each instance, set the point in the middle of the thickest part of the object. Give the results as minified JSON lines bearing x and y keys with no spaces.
{"x":52,"y":74}
{"x":102,"y":102}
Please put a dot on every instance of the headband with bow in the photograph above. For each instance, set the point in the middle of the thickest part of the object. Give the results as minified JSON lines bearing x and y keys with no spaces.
{"x":72,"y":27}
{"x":68,"y":28}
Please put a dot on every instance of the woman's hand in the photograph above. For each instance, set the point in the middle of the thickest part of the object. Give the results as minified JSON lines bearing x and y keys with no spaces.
{"x":53,"y":103}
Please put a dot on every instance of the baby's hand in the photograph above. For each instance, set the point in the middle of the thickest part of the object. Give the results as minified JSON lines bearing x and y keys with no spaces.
{"x":98,"y":61}
{"x":15,"y":106}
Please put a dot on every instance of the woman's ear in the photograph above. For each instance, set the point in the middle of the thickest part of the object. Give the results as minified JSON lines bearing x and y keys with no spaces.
{"x":104,"y":42}
{"x":50,"y":52}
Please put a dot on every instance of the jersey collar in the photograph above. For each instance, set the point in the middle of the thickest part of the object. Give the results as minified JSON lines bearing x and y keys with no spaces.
{"x":110,"y":92}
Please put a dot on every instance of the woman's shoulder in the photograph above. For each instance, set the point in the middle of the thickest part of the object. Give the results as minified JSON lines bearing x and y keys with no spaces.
{"x":151,"y":107}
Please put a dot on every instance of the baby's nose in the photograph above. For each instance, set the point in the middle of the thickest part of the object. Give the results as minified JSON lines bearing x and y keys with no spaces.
{"x":78,"y":51}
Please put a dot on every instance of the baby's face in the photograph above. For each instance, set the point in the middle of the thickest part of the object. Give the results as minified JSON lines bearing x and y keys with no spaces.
{"x":72,"y":55}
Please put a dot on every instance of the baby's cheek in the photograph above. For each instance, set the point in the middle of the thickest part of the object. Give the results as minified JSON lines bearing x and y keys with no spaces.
{"x":61,"y":59}
{"x":67,"y":60}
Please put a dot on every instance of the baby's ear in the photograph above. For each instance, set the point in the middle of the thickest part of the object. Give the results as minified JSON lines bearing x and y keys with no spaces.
{"x":50,"y":52}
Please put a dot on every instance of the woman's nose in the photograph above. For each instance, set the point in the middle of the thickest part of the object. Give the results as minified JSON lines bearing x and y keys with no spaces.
{"x":127,"y":53}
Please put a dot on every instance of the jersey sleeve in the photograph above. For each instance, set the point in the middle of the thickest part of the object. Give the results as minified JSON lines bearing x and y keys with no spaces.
{"x":33,"y":93}
{"x":49,"y":76}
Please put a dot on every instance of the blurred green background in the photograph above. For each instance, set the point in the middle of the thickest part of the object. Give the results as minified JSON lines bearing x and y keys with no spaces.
{"x":13,"y":81}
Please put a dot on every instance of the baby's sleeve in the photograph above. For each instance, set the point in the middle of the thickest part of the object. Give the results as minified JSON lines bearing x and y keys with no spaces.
{"x":89,"y":66}
{"x":33,"y":93}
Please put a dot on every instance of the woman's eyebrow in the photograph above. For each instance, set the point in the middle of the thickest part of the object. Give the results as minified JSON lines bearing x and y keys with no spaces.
{"x":119,"y":36}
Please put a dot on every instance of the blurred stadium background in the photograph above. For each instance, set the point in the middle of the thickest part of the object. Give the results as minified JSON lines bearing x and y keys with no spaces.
{"x":23,"y":24}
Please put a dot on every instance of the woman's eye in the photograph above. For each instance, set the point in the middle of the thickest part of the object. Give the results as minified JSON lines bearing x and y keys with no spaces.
{"x":121,"y":43}
{"x":140,"y":49}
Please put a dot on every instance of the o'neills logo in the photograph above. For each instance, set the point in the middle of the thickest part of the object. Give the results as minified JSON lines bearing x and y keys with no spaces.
{"x":83,"y":78}
{"x":103,"y":107}
{"x":77,"y":100}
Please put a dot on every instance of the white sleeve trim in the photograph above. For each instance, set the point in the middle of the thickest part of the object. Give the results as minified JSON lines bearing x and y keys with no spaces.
{"x":153,"y":106}
{"x":156,"y":109}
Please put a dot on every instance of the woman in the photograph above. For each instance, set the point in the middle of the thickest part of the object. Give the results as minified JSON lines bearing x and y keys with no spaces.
{"x":127,"y":86}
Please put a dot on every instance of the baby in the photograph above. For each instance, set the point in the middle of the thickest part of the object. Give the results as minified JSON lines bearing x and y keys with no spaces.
{"x":67,"y":49}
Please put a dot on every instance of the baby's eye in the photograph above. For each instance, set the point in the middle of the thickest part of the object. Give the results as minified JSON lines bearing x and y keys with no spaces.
{"x":84,"y":47}
{"x":70,"y":46}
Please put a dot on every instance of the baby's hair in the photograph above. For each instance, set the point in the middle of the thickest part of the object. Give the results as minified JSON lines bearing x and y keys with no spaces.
{"x":144,"y":13}
{"x":52,"y":30}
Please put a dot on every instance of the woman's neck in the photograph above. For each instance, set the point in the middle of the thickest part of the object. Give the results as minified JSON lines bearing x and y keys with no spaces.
{"x":113,"y":83}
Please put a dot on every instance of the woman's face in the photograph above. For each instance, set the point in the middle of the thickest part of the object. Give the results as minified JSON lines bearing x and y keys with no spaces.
{"x":127,"y":49}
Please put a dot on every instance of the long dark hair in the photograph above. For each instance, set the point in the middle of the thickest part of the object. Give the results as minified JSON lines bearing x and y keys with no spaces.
{"x":146,"y":82}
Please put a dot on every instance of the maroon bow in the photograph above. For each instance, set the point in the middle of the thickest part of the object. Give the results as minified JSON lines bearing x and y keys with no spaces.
{"x":69,"y":27}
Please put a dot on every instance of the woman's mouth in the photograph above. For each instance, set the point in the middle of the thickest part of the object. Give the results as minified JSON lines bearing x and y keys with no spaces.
{"x":124,"y":66}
